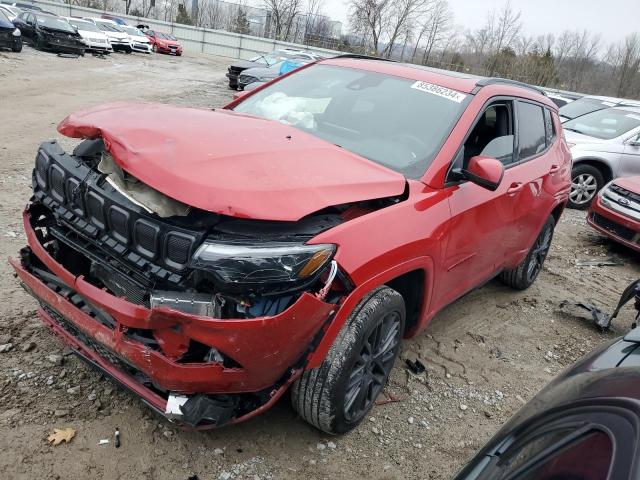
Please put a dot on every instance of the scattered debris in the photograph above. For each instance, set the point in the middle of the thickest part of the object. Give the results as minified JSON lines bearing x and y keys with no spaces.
{"x":321,"y":446}
{"x":61,"y":413}
{"x":55,"y":359}
{"x":391,"y":398}
{"x":104,"y":441}
{"x":6,"y":347}
{"x":416,"y":367}
{"x":607,"y":262}
{"x":68,"y":55}
{"x":117,"y":437}
{"x":28,"y":346}
{"x":59,"y":435}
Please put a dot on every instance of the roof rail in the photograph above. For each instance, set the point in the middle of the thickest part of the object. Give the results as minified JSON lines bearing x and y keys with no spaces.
{"x":363,"y":57}
{"x":483,"y":82}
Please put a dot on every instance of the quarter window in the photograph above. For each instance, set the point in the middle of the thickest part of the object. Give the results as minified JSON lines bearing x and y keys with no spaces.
{"x":549,"y":127}
{"x":531,"y":130}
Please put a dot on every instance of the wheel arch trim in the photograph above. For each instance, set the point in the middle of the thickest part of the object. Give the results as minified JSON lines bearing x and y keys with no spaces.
{"x":424,"y":263}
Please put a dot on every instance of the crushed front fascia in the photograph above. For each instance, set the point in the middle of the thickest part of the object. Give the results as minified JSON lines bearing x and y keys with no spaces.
{"x":140,"y":193}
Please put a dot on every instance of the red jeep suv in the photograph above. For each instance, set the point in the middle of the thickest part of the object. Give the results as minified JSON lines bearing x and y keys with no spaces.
{"x":211,"y":260}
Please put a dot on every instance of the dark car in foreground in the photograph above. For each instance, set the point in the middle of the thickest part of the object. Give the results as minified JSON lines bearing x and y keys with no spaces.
{"x":10,"y":35}
{"x":615,"y":212}
{"x":260,"y":75}
{"x":265,"y":61}
{"x":210,"y":260}
{"x":50,"y":32}
{"x":585,"y":425}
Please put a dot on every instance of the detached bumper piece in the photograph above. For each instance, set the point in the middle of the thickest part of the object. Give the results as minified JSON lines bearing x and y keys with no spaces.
{"x":159,"y":352}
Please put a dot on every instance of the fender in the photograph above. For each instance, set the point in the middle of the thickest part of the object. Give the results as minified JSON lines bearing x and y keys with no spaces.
{"x":419,"y":263}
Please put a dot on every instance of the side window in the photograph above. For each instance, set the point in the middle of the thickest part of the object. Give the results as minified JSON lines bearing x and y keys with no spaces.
{"x":549,"y":127}
{"x":531,"y":130}
{"x":493,"y":135}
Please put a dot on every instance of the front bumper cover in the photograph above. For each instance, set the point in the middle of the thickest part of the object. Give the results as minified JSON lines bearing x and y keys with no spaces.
{"x":269,"y":350}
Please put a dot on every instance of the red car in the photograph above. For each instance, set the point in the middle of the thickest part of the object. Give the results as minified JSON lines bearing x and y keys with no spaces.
{"x":164,"y":43}
{"x":210,"y":260}
{"x":615,"y":212}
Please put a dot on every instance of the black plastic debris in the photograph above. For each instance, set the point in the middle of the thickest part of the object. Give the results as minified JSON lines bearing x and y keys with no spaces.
{"x":415,"y":367}
{"x":601,"y":319}
{"x":203,"y":409}
{"x":607,"y":262}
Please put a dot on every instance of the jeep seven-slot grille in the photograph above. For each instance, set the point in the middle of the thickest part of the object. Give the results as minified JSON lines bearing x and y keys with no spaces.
{"x":83,"y":201}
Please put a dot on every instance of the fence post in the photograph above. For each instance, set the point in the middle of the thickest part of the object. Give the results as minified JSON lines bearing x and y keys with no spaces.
{"x":240,"y":46}
{"x":204,"y":32}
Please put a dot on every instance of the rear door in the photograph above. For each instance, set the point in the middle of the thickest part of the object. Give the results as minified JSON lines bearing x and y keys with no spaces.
{"x":531,"y":179}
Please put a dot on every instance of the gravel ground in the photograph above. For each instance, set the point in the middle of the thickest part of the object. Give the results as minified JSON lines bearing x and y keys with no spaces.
{"x":486,"y":355}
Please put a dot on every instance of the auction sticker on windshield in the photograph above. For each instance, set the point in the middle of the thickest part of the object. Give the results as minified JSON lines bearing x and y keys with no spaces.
{"x":440,"y":91}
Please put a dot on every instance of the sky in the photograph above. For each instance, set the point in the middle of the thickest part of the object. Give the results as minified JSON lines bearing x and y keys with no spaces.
{"x":613,"y":19}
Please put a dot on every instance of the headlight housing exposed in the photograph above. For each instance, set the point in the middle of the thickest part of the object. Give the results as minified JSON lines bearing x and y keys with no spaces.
{"x":273,"y":267}
{"x":17,"y":32}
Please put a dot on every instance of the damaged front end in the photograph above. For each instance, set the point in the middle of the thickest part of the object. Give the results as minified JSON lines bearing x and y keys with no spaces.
{"x":207,"y":317}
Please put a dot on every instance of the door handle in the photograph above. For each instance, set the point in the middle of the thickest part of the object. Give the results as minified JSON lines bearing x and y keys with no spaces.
{"x":515,"y":188}
{"x":554,"y":169}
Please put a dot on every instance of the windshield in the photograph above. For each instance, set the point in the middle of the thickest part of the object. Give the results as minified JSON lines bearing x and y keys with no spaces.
{"x":108,"y":27}
{"x":133,"y":31}
{"x":55,"y":22}
{"x":395,"y":122}
{"x":166,"y":36}
{"x":583,"y":106}
{"x":3,"y":16}
{"x":605,"y":124}
{"x":84,"y":26}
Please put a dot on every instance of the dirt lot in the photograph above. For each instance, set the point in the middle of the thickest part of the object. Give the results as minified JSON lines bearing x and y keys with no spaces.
{"x":486,"y":355}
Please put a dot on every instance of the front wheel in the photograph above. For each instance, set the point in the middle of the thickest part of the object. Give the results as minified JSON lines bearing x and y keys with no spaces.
{"x":523,"y":276}
{"x":586,"y":182}
{"x":155,"y":48}
{"x":336,"y":396}
{"x":17,"y":45}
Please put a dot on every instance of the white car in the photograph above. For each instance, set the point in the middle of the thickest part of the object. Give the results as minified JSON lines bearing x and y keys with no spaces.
{"x":119,"y":39}
{"x":92,"y":36}
{"x":139,"y":41}
{"x":10,"y":11}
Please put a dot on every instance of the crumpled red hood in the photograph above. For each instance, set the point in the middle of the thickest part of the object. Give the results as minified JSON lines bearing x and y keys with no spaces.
{"x":229,"y":163}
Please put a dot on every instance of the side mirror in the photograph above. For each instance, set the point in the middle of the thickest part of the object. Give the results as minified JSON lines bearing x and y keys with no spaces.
{"x":485,"y":172}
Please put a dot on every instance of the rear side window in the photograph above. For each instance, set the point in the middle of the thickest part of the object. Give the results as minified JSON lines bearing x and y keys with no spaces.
{"x":532,"y":136}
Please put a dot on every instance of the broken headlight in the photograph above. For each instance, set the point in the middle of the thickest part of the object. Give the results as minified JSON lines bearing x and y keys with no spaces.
{"x":273,"y":266}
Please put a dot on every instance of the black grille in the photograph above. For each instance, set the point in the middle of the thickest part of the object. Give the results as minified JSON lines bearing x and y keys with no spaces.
{"x":625,"y":193}
{"x":178,"y":247}
{"x":613,"y":227}
{"x":83,"y":201}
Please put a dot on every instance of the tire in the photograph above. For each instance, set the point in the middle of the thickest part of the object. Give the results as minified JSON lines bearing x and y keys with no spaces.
{"x":331,"y":397}
{"x":38,"y":43}
{"x":586,"y":182}
{"x":525,"y":274}
{"x":17,"y":46}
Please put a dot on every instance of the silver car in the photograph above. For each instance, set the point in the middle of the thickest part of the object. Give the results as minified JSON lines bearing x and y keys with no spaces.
{"x":605,"y":145}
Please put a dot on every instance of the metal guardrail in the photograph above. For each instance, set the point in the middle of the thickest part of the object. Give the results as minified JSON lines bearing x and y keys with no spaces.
{"x":193,"y":39}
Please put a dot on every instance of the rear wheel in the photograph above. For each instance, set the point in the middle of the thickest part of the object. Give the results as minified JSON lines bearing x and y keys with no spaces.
{"x":586,"y":182}
{"x":336,"y":396}
{"x":523,"y":276}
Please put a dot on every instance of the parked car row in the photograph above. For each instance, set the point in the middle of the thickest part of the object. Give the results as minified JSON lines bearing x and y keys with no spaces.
{"x":76,"y":35}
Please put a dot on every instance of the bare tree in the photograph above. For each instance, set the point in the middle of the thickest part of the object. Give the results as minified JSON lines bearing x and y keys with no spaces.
{"x":400,"y":14}
{"x":369,"y":19}
{"x":434,"y":28}
{"x":625,"y":57}
{"x":504,"y":30}
{"x":282,"y":13}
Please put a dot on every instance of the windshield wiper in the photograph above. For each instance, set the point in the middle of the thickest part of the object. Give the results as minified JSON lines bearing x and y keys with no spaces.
{"x":573,"y":130}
